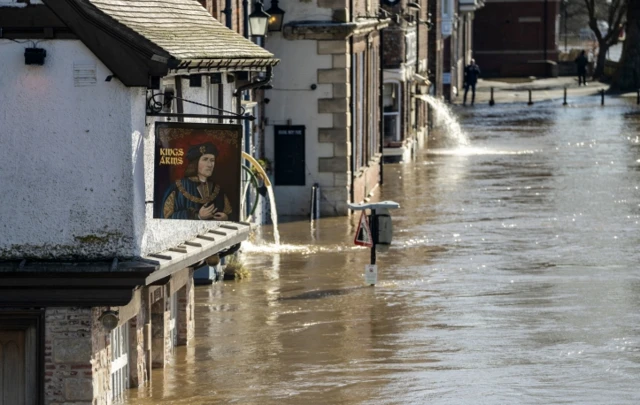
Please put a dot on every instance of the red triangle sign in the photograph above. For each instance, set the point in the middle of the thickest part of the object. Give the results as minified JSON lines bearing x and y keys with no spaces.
{"x":363,"y":233}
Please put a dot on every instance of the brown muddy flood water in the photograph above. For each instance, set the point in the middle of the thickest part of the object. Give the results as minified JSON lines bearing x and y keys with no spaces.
{"x":513,"y":279}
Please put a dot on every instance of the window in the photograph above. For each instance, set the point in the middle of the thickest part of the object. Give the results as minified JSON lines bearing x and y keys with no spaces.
{"x":391,"y":104}
{"x":446,"y":8}
{"x":119,"y":360}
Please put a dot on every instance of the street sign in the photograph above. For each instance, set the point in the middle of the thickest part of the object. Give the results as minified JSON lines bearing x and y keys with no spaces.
{"x":370,"y":274}
{"x":363,"y":233}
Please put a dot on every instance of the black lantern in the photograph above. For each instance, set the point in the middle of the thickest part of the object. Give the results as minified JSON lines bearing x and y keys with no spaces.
{"x":277,"y":16}
{"x":258,"y":20}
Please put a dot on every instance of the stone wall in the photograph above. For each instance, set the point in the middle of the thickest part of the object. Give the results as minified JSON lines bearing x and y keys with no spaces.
{"x":186,"y":316}
{"x":339,"y":134}
{"x":76,"y":359}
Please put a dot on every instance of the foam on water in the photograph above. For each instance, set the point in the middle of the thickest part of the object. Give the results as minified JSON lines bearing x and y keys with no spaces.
{"x":261,"y":247}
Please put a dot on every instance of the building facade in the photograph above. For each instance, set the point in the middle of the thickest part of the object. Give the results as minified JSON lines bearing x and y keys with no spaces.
{"x":405,"y":79}
{"x":95,"y":288}
{"x":517,"y":38}
{"x":322,"y":114}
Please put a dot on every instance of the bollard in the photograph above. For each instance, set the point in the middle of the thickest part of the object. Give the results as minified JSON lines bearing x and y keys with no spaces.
{"x":530,"y":101}
{"x":565,"y":96}
{"x":602,"y":97}
{"x":492,"y":102}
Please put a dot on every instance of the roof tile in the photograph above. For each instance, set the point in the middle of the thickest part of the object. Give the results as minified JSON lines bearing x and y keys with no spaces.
{"x":183,"y":28}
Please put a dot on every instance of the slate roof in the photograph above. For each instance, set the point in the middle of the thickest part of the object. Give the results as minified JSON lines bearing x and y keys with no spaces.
{"x":184,"y":29}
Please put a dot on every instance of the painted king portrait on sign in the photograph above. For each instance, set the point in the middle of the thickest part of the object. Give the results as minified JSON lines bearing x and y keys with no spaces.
{"x":197,"y":171}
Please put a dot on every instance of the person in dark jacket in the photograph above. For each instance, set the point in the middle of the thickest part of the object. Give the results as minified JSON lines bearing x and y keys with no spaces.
{"x":471,"y":73}
{"x":582,"y":62}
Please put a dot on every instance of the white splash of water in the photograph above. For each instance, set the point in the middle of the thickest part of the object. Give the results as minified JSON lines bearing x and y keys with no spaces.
{"x":274,"y":215}
{"x":270,"y":248}
{"x":451,"y":134}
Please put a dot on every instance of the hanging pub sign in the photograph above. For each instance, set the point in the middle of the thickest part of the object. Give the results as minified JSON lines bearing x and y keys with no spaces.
{"x":197,"y":171}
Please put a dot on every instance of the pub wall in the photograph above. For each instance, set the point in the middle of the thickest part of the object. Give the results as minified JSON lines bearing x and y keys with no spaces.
{"x":77,"y":161}
{"x":66,"y":159}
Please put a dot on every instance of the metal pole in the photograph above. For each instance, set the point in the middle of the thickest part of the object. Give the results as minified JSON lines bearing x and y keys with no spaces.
{"x":602,"y":97}
{"x":545,"y":30}
{"x":565,"y":96}
{"x":530,"y":100}
{"x":492,"y":101}
{"x":565,"y":3}
{"x":381,"y":72}
{"x":373,"y":227}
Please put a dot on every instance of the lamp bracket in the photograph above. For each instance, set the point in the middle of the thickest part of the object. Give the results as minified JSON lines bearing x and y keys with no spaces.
{"x":154,"y":108}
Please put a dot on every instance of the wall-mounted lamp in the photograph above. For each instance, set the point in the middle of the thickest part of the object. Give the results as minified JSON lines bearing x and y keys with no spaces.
{"x":34,"y":56}
{"x":258,"y":20}
{"x":277,"y":16}
{"x":167,"y":100}
{"x":428,"y":23}
{"x":109,"y":320}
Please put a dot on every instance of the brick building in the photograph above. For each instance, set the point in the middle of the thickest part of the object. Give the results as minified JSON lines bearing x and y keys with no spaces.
{"x":405,"y":78}
{"x":95,"y":290}
{"x":517,"y":38}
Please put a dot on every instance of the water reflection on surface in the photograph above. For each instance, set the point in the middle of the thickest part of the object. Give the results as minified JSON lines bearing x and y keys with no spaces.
{"x":512,"y":279}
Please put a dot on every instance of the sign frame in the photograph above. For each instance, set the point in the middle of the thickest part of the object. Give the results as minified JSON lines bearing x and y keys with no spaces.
{"x":179,"y":148}
{"x":367,"y":237}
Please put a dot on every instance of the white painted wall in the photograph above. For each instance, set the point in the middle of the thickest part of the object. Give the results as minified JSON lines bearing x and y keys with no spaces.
{"x":77,"y":166}
{"x":160,"y":234}
{"x":297,"y":10}
{"x":67,"y":164}
{"x":291,"y":98}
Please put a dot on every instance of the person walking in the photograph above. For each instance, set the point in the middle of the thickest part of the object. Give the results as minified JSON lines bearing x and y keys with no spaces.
{"x":471,"y":73}
{"x":581,"y":62}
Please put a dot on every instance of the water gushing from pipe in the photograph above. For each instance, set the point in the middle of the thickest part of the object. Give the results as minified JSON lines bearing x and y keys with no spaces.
{"x":449,"y":134}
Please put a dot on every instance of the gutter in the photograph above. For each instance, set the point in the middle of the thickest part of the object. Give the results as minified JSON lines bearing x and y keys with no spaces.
{"x":250,"y":86}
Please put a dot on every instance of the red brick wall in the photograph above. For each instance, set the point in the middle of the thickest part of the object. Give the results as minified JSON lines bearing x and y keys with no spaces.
{"x":501,"y":37}
{"x":394,"y":47}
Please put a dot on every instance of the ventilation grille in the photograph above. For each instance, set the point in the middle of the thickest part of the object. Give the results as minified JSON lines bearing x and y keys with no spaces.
{"x":84,"y":74}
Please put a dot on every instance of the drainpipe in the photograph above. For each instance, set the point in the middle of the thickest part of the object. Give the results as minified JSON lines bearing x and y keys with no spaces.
{"x":250,"y":86}
{"x":245,"y":18}
{"x":545,"y":31}
{"x":352,"y":133}
{"x":381,"y":106}
{"x":227,"y":13}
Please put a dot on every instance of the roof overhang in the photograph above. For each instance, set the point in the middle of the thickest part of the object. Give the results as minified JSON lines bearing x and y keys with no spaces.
{"x":107,"y":283}
{"x":131,"y":57}
{"x":225,"y":65}
{"x":320,"y":30}
{"x":196,"y":250}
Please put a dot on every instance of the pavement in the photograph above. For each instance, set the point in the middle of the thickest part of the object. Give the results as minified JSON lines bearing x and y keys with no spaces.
{"x":516,"y":90}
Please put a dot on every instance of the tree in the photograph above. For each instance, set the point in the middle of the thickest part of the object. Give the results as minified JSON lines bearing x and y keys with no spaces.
{"x":627,"y":77}
{"x":614,"y":13}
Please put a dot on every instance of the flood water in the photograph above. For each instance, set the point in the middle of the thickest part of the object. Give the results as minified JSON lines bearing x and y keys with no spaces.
{"x":513,"y":279}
